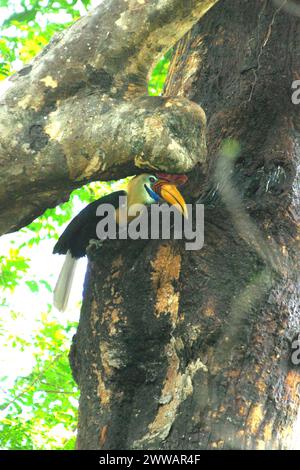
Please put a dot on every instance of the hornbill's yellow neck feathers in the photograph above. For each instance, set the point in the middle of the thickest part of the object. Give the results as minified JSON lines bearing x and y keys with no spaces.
{"x":143,"y":189}
{"x":140,"y":190}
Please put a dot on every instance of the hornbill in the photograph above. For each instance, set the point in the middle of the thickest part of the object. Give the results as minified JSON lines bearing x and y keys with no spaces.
{"x":143,"y":189}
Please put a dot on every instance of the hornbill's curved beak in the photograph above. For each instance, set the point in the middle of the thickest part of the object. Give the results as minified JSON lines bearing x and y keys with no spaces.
{"x":166,"y":187}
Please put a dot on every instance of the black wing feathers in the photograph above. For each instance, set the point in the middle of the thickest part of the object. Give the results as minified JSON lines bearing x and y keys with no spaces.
{"x":82,"y":228}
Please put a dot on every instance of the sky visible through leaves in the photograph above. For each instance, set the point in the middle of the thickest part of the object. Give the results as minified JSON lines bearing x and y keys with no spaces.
{"x":38,"y":396}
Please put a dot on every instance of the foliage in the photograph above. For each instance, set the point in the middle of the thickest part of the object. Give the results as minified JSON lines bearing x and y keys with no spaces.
{"x":12,"y":268}
{"x":29,"y":26}
{"x":159,"y":73}
{"x":38,"y":410}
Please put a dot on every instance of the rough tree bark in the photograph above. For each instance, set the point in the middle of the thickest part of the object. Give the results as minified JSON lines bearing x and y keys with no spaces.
{"x":81,"y":111}
{"x":185,"y":349}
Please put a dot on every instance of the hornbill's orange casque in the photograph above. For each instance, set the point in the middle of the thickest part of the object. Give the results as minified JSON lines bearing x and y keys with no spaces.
{"x":143,"y":189}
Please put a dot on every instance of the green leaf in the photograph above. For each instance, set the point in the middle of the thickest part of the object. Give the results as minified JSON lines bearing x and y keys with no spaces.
{"x":46,"y":284}
{"x":33,"y":286}
{"x":22,"y":17}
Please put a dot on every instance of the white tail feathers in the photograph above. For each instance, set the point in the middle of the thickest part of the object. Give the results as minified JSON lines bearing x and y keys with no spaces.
{"x":64,"y":283}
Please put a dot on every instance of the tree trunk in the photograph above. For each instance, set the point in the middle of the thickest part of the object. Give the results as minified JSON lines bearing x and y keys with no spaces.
{"x":182,"y":349}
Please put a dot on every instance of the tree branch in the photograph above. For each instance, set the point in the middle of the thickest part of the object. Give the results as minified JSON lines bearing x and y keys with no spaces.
{"x":80,"y":110}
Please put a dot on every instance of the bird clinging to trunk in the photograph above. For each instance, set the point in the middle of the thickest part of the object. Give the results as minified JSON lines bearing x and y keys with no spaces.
{"x":143,"y":189}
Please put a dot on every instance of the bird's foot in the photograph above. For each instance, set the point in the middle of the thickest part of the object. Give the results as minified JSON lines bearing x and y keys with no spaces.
{"x":94,"y":245}
{"x":110,"y":245}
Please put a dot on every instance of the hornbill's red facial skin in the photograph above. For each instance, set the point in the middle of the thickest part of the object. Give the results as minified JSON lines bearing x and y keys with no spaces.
{"x":178,"y":180}
{"x":165,"y":178}
{"x":143,"y":189}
